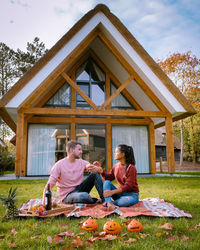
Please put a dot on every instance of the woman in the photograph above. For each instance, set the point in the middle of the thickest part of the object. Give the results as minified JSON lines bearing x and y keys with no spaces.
{"x":127,"y":192}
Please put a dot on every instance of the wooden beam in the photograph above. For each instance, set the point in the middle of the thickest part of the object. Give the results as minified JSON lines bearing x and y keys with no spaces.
{"x":152,"y":148}
{"x":170,"y":144}
{"x":58,"y":111}
{"x":7,"y":119}
{"x":131,"y":71}
{"x":79,"y":91}
{"x":59,"y":69}
{"x":116,"y":93}
{"x":109,"y":147}
{"x":88,"y":120}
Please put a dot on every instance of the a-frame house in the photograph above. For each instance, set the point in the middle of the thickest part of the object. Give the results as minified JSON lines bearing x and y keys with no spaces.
{"x":97,"y":85}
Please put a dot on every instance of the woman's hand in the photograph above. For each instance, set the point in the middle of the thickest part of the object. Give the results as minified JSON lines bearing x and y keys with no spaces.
{"x":108,"y":193}
{"x":94,"y":168}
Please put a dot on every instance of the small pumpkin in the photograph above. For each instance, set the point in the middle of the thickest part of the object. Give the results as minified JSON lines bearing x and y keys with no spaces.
{"x":90,"y":225}
{"x":112,"y":227}
{"x":134,"y":226}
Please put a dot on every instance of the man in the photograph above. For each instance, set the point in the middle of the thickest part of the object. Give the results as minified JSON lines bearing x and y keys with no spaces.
{"x":68,"y":175}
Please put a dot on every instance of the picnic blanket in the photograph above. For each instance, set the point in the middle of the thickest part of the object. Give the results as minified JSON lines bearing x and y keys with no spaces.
{"x":147,"y":207}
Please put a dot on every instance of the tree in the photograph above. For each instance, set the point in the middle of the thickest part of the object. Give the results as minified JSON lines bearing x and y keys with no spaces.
{"x":13,"y":65}
{"x":184,"y":71}
{"x":8,"y":70}
{"x":25,"y":60}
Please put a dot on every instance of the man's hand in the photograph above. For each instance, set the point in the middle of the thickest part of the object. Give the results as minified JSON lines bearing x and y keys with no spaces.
{"x":94,"y":168}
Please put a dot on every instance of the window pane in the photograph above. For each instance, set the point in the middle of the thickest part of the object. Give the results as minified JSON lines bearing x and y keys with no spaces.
{"x":61,"y":98}
{"x":119,"y":101}
{"x":98,"y":94}
{"x":137,"y":137}
{"x":93,"y":142}
{"x":46,"y":145}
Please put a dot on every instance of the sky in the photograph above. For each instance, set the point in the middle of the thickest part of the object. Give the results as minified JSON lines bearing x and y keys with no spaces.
{"x":162,"y":27}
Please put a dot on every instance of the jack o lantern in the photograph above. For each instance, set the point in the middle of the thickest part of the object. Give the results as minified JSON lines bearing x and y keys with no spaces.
{"x":112,"y":227}
{"x":134,"y":226}
{"x":90,"y":225}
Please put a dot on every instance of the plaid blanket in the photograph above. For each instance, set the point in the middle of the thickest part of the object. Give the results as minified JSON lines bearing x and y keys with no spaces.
{"x":147,"y":207}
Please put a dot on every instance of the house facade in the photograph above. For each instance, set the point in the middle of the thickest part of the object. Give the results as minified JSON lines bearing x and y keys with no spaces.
{"x":96,"y":85}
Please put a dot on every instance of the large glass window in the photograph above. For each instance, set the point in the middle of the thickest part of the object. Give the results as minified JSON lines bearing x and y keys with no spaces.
{"x":92,"y":138}
{"x":46,"y":145}
{"x":137,"y":137}
{"x":91,"y":79}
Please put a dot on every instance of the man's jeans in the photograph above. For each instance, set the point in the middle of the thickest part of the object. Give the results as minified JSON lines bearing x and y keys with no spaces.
{"x":125,"y":199}
{"x":81,"y":192}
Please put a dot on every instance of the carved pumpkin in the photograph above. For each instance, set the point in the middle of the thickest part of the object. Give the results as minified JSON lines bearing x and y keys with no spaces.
{"x":134,"y":226}
{"x":112,"y":227}
{"x":90,"y":225}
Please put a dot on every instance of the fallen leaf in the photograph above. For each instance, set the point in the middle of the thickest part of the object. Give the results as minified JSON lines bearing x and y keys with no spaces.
{"x":94,"y":238}
{"x":13,"y":231}
{"x":58,"y":239}
{"x":100,"y":234}
{"x":184,"y":238}
{"x":143,"y":235}
{"x":77,"y":242}
{"x":158,"y":234}
{"x":12,"y":244}
{"x":195,"y":227}
{"x":125,"y":223}
{"x":80,"y":234}
{"x":109,"y":237}
{"x":35,"y":236}
{"x":167,"y":226}
{"x":49,"y":239}
{"x":64,"y":225}
{"x":172,"y":238}
{"x":67,"y":233}
{"x":130,"y":240}
{"x":29,"y":225}
{"x":89,"y":242}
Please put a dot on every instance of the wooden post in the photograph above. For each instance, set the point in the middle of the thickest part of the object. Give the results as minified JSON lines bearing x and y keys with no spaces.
{"x":19,"y":145}
{"x":170,"y":144}
{"x":152,"y":148}
{"x":161,"y":169}
{"x":109,"y":146}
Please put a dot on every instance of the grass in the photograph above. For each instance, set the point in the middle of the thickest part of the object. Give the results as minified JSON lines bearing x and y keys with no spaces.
{"x":180,"y":172}
{"x":32,"y":233}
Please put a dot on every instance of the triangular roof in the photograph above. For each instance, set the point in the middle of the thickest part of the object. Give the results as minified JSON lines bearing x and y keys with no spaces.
{"x":114,"y":40}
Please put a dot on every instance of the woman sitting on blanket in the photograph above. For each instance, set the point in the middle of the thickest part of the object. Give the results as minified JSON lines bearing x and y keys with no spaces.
{"x":127,"y":192}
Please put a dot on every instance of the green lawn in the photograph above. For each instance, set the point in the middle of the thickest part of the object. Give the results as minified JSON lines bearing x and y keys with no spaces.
{"x":184,"y":193}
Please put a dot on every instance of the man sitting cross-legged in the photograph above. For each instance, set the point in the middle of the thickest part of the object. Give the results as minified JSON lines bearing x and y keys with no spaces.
{"x":68,"y":175}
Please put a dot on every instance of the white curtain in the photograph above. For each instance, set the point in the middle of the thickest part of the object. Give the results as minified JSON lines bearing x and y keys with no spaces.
{"x":137,"y":137}
{"x":41,"y":149}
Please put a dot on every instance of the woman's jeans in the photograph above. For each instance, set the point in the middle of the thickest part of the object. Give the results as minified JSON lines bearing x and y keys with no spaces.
{"x":125,"y":199}
{"x":81,"y":193}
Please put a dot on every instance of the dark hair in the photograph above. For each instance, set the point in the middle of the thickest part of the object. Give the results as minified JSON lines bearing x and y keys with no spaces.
{"x":129,"y":154}
{"x":72,"y":144}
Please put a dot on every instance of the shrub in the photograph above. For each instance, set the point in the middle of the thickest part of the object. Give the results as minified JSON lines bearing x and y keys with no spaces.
{"x":7,"y":161}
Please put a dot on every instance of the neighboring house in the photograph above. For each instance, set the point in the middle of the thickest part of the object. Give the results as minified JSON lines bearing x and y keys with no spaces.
{"x":97,"y":77}
{"x":160,"y":143}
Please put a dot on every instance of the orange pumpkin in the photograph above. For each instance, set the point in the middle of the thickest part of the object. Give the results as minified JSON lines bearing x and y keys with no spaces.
{"x":134,"y":226}
{"x":90,"y":225}
{"x":112,"y":227}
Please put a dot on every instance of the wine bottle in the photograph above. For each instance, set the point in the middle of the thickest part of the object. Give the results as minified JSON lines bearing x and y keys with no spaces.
{"x":48,"y":198}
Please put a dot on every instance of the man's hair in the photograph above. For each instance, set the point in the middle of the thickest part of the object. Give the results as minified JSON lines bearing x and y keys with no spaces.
{"x":72,"y":144}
